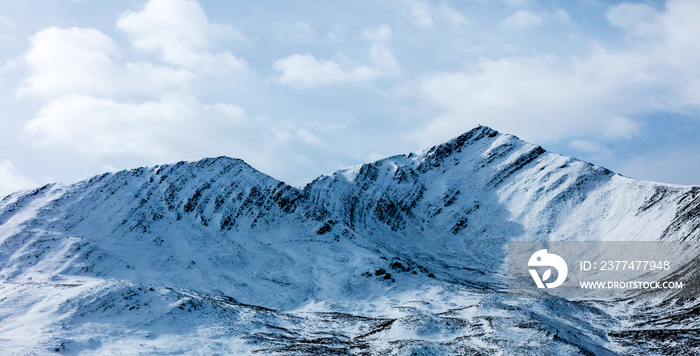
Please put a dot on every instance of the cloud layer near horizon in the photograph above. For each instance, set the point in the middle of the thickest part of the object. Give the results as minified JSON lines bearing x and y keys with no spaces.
{"x":596,"y":94}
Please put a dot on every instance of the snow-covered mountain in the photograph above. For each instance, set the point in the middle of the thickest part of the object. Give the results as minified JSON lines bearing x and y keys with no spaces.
{"x":405,"y":255}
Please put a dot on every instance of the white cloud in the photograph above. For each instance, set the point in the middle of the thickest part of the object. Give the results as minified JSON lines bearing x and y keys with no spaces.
{"x":145,"y":101}
{"x":100,"y":105}
{"x":67,"y":60}
{"x":523,"y":19}
{"x":305,"y":71}
{"x":179,"y":32}
{"x":11,"y":180}
{"x":79,"y":60}
{"x":548,"y":99}
{"x":529,"y":96}
{"x":673,"y":29}
{"x":155,"y":129}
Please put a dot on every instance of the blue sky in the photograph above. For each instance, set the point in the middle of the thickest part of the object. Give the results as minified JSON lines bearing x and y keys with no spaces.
{"x":298,"y":89}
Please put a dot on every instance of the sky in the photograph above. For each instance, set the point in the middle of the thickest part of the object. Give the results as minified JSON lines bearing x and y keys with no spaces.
{"x":302,"y":88}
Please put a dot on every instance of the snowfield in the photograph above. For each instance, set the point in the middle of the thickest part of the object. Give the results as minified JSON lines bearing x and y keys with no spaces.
{"x":402,"y":256}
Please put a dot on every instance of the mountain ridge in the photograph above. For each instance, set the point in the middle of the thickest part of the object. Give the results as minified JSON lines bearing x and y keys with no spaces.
{"x":406,"y":253}
{"x":434,"y":151}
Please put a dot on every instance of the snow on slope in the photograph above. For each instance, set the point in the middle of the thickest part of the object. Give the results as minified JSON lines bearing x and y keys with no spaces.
{"x":403,"y":255}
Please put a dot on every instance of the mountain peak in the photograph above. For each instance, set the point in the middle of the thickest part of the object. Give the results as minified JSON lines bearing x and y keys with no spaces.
{"x":442,"y":150}
{"x":220,"y":159}
{"x":208,"y":162}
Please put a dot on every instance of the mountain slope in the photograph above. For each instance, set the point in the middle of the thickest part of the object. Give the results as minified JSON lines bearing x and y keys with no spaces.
{"x":402,"y":255}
